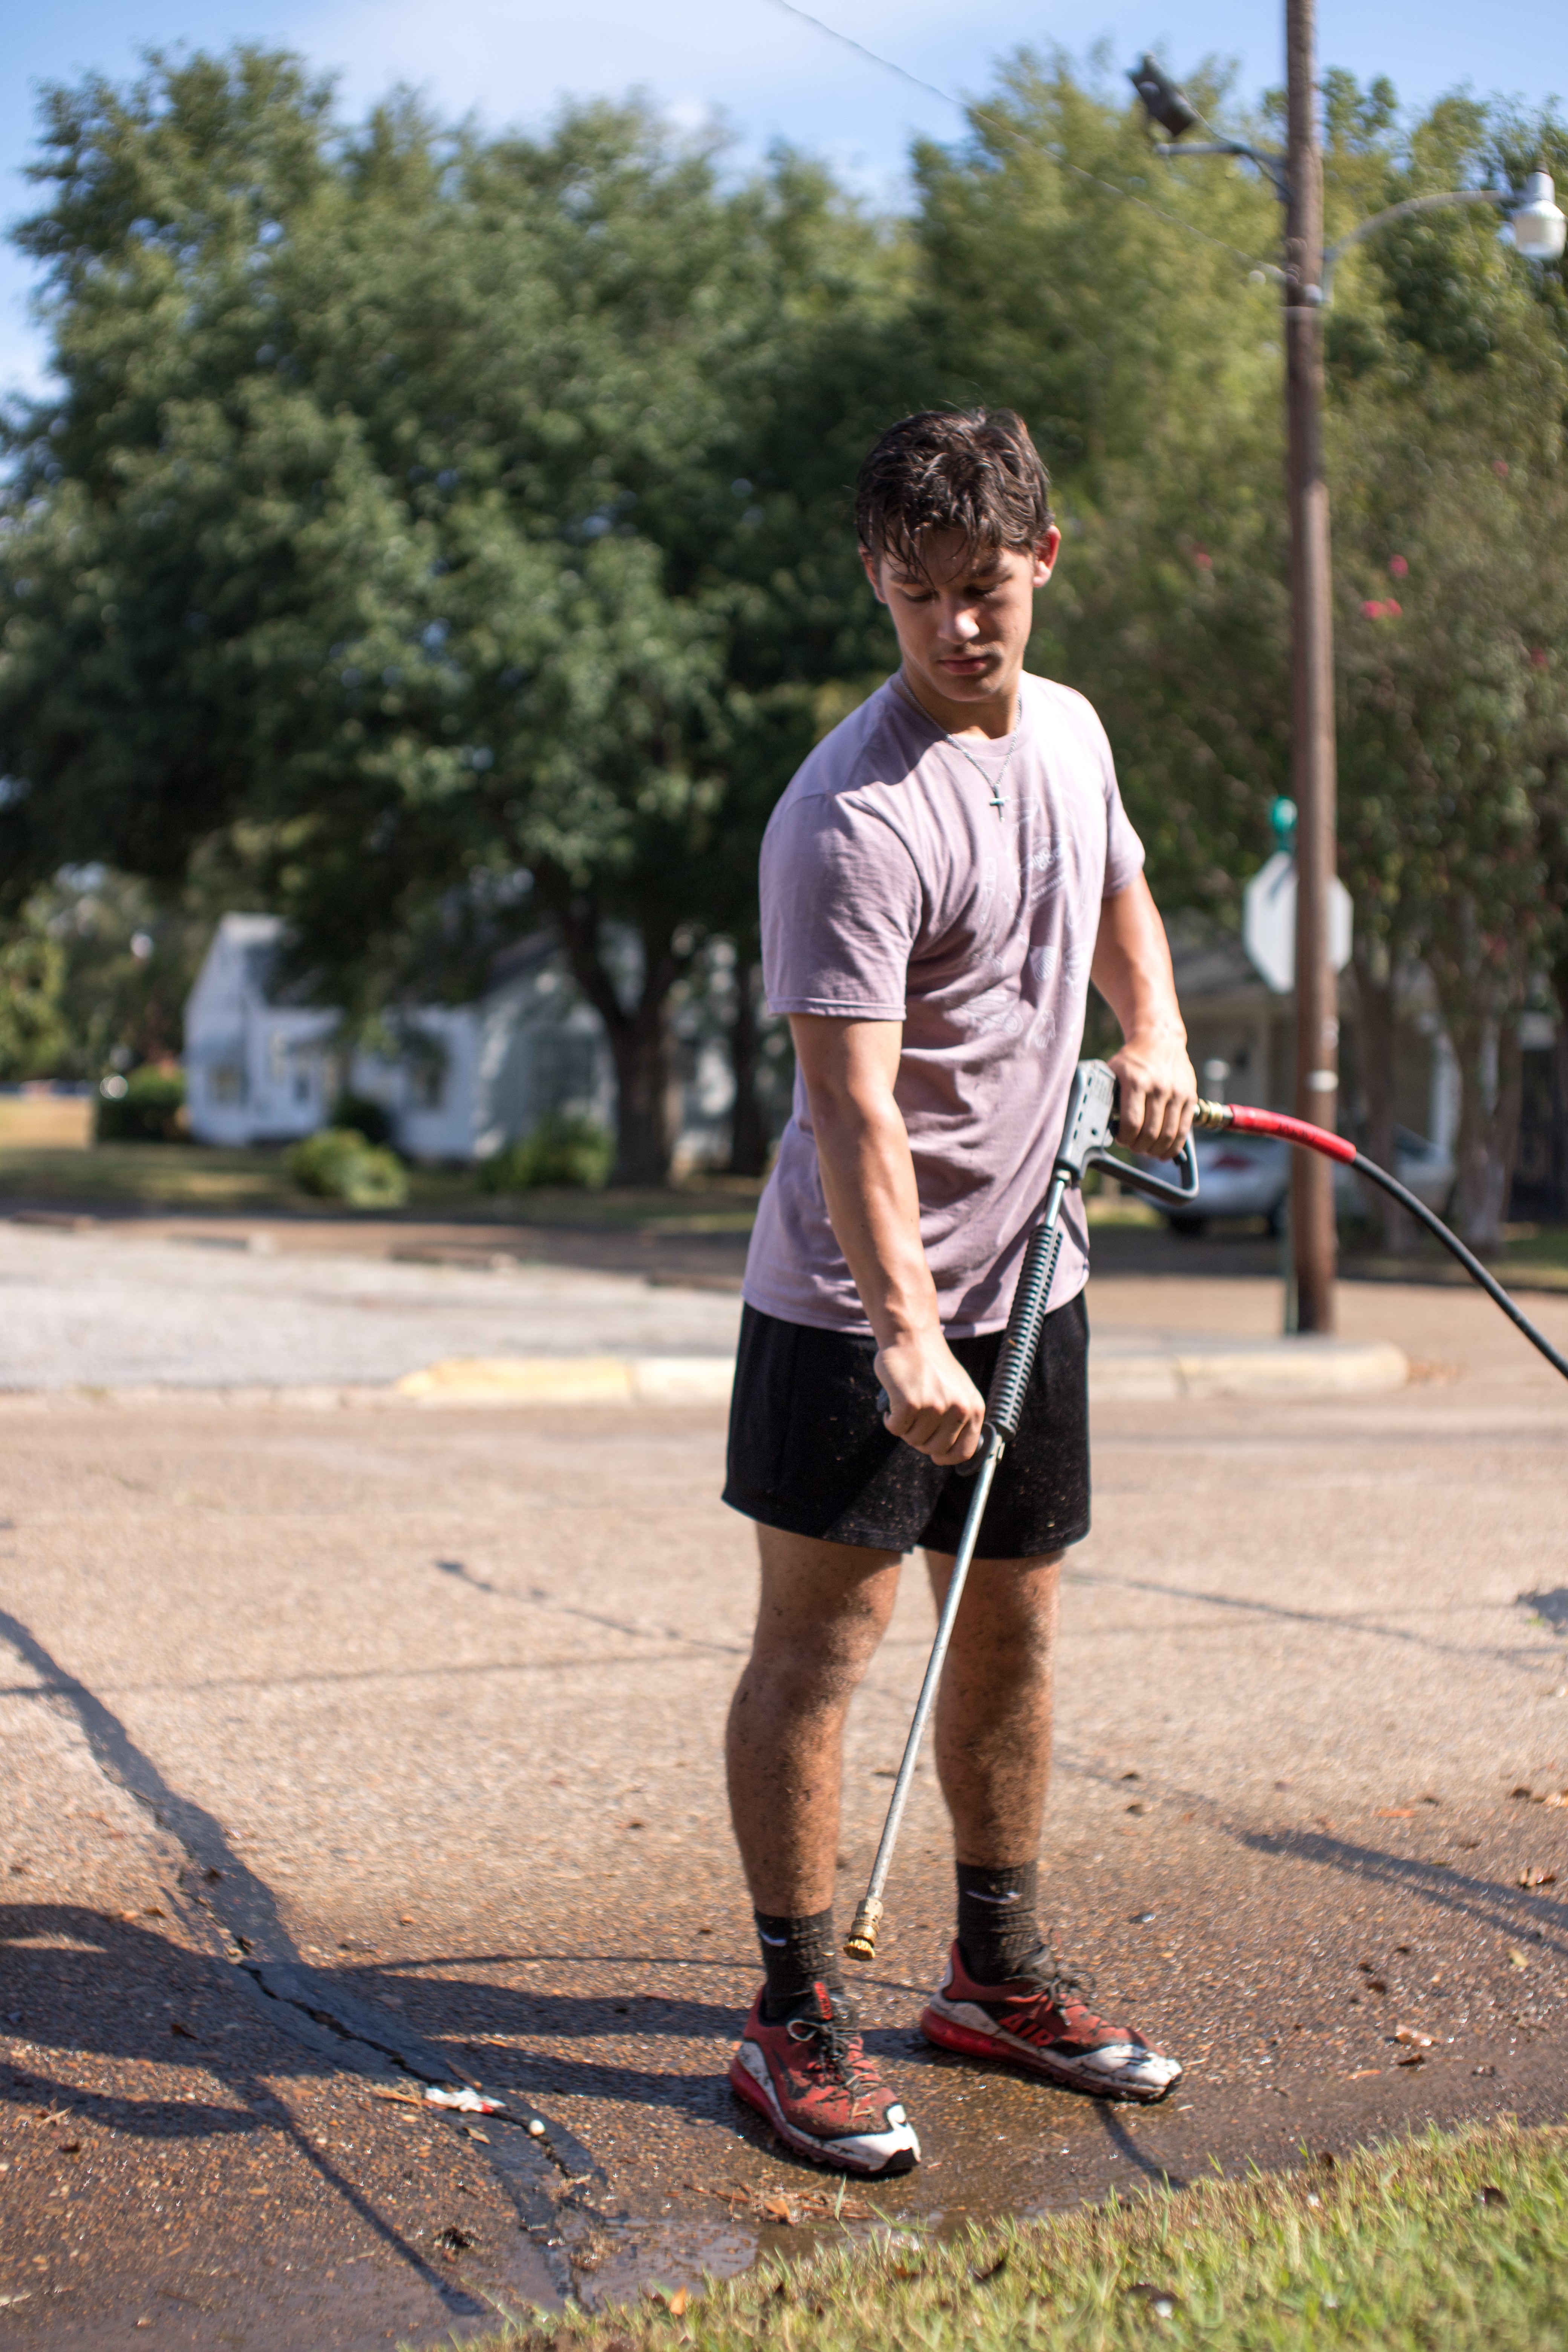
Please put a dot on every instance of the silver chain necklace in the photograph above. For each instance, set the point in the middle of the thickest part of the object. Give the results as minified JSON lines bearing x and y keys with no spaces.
{"x":998,"y":798}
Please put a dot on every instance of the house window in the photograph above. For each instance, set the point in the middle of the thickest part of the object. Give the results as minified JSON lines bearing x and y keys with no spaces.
{"x":426,"y":1086}
{"x":226,"y":1083}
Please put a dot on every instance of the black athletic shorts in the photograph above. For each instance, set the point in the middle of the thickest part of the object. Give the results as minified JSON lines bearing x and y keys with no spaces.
{"x":808,"y":1452}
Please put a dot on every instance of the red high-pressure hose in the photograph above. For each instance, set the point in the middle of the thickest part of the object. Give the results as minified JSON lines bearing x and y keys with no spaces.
{"x":1244,"y":1121}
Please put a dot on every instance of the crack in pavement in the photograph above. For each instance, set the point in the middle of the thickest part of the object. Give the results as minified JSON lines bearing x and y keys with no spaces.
{"x":1512,"y":1654}
{"x":542,"y":2166}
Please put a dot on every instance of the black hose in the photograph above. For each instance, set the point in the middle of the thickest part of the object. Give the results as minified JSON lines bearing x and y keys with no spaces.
{"x":1472,"y":1265}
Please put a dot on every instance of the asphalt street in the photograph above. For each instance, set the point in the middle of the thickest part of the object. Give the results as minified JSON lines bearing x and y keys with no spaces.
{"x":352,"y":1754}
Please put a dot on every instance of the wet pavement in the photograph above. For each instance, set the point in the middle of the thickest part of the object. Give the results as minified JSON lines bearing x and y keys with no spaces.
{"x":349,"y":1755}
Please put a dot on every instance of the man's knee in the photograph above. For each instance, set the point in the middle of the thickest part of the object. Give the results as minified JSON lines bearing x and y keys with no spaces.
{"x":1009,"y":1610}
{"x":823,"y":1611}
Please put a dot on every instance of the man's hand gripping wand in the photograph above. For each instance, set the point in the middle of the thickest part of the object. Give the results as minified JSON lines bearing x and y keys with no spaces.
{"x":1085,"y":1143}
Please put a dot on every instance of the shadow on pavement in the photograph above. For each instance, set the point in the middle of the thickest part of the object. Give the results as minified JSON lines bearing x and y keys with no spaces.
{"x":1511,"y":1910}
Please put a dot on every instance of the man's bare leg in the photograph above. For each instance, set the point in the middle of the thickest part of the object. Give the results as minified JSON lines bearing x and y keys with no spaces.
{"x":1003,"y":1996}
{"x":824,"y":1608}
{"x":801,"y":2062}
{"x":993,"y":1708}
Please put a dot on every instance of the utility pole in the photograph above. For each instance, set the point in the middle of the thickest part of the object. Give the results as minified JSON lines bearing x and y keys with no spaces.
{"x":1313,"y":657}
{"x":1539,"y":233}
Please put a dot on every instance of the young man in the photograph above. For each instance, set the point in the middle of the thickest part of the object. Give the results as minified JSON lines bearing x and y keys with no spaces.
{"x":939,"y":884}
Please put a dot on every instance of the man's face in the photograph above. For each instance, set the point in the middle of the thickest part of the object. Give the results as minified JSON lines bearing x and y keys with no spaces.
{"x":963,"y":619}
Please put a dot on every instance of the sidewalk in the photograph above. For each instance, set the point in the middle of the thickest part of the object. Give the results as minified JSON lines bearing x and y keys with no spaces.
{"x":129,"y":1315}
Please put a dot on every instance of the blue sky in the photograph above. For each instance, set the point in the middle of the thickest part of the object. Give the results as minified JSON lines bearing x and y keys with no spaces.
{"x":768,"y":74}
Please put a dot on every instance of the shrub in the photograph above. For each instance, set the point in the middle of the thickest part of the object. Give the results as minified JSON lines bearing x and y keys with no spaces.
{"x":565,"y":1148}
{"x":371,"y":1119}
{"x":146,"y":1107}
{"x":338,"y":1164}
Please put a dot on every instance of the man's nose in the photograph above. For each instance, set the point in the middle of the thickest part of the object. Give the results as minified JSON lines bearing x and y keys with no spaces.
{"x":960,"y":623}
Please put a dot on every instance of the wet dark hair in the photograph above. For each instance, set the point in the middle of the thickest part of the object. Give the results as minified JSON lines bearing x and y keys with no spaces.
{"x":973,"y":470}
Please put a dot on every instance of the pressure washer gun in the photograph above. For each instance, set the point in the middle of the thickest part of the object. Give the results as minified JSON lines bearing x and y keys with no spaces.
{"x":1086,"y":1139}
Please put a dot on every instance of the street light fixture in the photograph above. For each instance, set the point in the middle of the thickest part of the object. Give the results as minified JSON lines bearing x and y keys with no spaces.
{"x":1540,"y":229}
{"x":1297,"y":177}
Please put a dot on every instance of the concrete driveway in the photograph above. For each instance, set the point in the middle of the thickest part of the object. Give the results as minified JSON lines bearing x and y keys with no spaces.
{"x":351,"y":1753}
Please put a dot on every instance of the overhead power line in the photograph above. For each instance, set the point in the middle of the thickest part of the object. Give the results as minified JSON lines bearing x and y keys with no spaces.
{"x":1011,"y":131}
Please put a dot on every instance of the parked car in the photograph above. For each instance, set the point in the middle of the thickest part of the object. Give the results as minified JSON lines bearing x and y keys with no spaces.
{"x":1249,"y":1176}
{"x":1238,"y":1176}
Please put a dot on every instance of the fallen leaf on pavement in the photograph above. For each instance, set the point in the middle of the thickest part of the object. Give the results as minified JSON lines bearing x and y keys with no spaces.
{"x":1361,"y":2074}
{"x":1412,"y":2058}
{"x":1409,"y":2033}
{"x":1538,"y":1878}
{"x":1517,"y":1960}
{"x":776,"y":2209}
{"x":183,"y":2032}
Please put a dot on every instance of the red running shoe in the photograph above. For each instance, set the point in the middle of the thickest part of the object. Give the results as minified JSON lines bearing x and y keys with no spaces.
{"x":812,"y":2079}
{"x":1043,"y":2021}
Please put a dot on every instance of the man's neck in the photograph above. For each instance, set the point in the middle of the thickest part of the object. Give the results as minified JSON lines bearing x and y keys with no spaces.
{"x":996,"y":716}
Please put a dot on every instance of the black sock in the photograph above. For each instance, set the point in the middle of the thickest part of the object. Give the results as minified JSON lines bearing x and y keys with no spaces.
{"x":998,"y":1926}
{"x":797,"y":1954}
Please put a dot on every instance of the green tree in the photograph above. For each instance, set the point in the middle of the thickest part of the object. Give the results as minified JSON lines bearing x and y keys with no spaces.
{"x":33,"y":1031}
{"x":414,"y":502}
{"x":1451,"y":510}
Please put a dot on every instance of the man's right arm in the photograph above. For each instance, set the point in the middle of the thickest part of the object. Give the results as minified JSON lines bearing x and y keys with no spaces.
{"x":849,"y":1069}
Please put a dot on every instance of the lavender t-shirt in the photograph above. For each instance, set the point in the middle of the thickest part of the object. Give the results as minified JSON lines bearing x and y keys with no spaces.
{"x":895,"y":888}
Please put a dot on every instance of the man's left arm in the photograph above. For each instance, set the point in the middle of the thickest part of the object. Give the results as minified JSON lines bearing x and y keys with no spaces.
{"x":1132,"y":970}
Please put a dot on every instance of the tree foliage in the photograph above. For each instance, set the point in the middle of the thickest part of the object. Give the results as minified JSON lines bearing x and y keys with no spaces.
{"x":438,"y":535}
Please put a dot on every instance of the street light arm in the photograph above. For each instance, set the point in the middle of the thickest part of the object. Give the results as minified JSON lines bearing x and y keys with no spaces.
{"x":1272,"y":165}
{"x":1396,"y":212}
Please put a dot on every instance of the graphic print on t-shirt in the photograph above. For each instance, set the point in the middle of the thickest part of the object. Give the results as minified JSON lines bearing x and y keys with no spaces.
{"x":892,"y":890}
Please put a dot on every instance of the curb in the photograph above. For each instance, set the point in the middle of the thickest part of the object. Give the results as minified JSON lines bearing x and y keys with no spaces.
{"x":571,"y":1380}
{"x":1138,"y":1375}
{"x":1299,"y":1367}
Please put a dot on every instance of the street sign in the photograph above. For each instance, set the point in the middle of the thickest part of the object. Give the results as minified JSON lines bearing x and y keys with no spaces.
{"x":1269,"y":922}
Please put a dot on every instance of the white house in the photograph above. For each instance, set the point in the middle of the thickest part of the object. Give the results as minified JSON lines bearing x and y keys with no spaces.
{"x":470,"y":1077}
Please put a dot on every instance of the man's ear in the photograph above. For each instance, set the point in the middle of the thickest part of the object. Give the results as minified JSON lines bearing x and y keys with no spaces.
{"x":1046,"y":552}
{"x":872,"y":565}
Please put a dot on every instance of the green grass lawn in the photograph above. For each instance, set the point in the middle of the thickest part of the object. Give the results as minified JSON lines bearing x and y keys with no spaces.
{"x":1445,"y":2244}
{"x":1534,"y":1257}
{"x":182,"y":1177}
